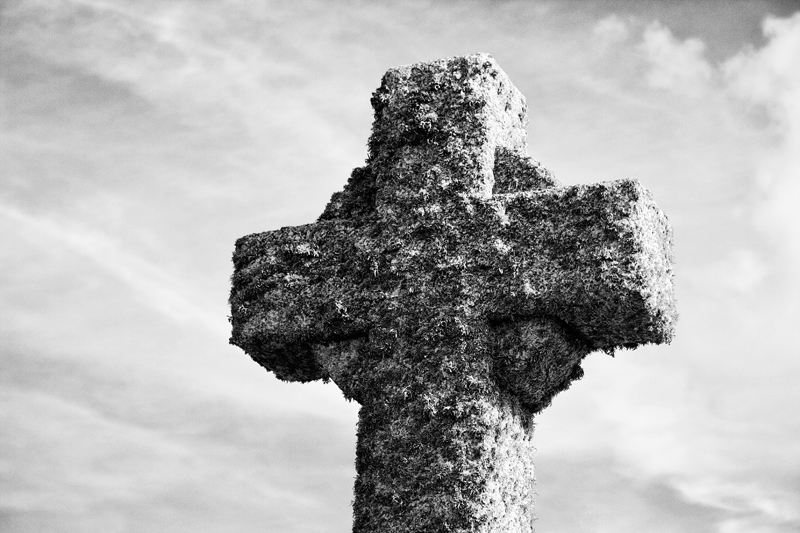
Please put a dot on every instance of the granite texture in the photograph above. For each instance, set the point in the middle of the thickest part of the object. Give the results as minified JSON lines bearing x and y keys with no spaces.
{"x":452,"y":288}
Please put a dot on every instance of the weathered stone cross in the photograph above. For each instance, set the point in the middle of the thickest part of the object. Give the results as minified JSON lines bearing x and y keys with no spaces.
{"x":452,"y":289}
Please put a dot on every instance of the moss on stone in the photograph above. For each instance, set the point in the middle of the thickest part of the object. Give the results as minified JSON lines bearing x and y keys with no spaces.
{"x":452,"y":288}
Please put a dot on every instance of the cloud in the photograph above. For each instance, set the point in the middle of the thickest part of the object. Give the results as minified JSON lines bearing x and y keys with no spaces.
{"x":150,"y":283}
{"x":768,"y":79}
{"x":674,"y":65}
{"x":742,"y":271}
{"x":610,"y":30}
{"x":97,"y":458}
{"x":690,"y":422}
{"x":148,"y":49}
{"x":749,"y":501}
{"x":86,"y":448}
{"x":224,"y":63}
{"x":644,"y":417}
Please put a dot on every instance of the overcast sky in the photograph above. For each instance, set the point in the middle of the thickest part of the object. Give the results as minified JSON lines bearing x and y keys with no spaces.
{"x":139,"y":139}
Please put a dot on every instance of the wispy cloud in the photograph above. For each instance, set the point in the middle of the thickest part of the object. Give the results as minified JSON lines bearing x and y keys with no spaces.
{"x":152,"y":284}
{"x":144,"y":137}
{"x":198,"y":64}
{"x":750,"y":502}
{"x":81,"y":458}
{"x":99,"y":458}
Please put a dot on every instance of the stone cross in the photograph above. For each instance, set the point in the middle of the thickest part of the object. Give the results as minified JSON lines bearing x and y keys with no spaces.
{"x":452,"y":289}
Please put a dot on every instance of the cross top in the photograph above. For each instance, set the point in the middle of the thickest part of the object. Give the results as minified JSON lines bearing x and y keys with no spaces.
{"x":438,"y":128}
{"x":452,"y":289}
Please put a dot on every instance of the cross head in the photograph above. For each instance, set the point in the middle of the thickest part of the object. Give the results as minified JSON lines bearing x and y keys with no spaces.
{"x":452,"y":289}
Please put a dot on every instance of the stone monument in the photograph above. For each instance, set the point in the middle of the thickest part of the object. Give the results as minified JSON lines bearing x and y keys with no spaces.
{"x":452,"y":289}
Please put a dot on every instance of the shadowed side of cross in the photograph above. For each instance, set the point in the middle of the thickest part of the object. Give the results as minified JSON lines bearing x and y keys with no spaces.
{"x":452,"y":289}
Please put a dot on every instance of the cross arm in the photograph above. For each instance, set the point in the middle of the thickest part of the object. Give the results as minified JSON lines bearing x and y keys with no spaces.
{"x":292,"y":289}
{"x":598,"y":257}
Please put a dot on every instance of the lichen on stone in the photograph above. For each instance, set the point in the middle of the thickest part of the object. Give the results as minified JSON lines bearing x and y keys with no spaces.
{"x":453,"y":288}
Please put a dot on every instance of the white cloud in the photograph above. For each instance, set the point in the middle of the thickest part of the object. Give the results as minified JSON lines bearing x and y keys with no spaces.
{"x":65,"y":457}
{"x":152,"y":284}
{"x":755,"y":524}
{"x":769,"y":78}
{"x":655,"y":417}
{"x":610,"y":30}
{"x":674,"y":65}
{"x":749,"y":499}
{"x":659,"y":428}
{"x":742,"y":271}
{"x":182,"y":60}
{"x":85,"y":467}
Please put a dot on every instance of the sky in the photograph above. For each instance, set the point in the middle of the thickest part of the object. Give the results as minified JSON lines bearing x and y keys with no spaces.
{"x":139,"y":140}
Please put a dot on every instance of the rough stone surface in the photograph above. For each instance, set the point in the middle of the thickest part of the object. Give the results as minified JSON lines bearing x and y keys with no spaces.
{"x":452,"y":289}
